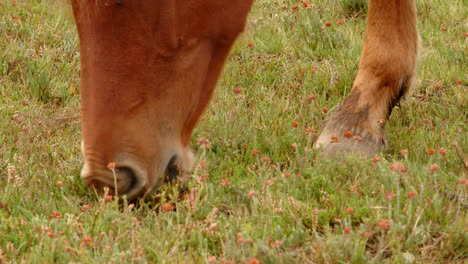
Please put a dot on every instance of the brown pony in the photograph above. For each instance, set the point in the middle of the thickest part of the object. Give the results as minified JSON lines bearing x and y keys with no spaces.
{"x":149,"y":68}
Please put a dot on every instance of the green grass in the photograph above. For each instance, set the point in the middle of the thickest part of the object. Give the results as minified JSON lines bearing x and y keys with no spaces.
{"x":262,"y":214}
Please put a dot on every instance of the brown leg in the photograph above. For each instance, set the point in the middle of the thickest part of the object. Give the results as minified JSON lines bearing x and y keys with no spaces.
{"x":386,"y":71}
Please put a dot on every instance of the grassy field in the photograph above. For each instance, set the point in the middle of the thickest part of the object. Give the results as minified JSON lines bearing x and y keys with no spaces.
{"x":260,"y":194}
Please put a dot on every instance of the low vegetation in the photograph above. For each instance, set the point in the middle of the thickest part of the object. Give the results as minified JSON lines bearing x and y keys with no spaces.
{"x":259,"y":192}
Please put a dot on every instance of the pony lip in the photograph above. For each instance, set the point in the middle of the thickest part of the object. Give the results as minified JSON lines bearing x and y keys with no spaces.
{"x":148,"y":73}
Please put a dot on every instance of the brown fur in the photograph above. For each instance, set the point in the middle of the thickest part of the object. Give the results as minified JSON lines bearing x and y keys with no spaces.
{"x":149,"y":67}
{"x":386,"y":71}
{"x":148,"y":70}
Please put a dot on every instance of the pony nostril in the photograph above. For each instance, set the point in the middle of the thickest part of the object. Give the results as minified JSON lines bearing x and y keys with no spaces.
{"x":123,"y":180}
{"x":172,"y":170}
{"x":126,"y":179}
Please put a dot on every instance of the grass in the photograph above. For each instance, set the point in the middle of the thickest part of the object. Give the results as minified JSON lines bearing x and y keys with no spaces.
{"x":283,"y":205}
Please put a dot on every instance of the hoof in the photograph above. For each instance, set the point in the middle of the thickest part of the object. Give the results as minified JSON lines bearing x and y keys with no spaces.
{"x":347,"y":142}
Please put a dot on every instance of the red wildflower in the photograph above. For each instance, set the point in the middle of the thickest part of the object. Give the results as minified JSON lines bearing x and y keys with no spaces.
{"x":166,"y":207}
{"x":111,"y":165}
{"x":348,"y":134}
{"x":443,"y":151}
{"x":225,"y":182}
{"x":389,"y":195}
{"x":347,"y":230}
{"x":237,"y":90}
{"x":384,"y":224}
{"x":434,"y":168}
{"x":398,"y":167}
{"x":430,"y":151}
{"x":411,"y":195}
{"x":204,"y":143}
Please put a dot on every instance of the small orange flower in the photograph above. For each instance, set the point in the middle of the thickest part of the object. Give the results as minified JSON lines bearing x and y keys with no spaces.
{"x":430,"y":151}
{"x":167,"y":207}
{"x":252,"y":194}
{"x":56,"y":215}
{"x":376,"y":159}
{"x":463,"y":181}
{"x":312,"y":96}
{"x":204,"y":143}
{"x":460,"y":81}
{"x":237,"y":90}
{"x":310,"y":131}
{"x":324,"y":110}
{"x":276,"y":244}
{"x":334,"y":139}
{"x":250,"y":44}
{"x":225,"y":182}
{"x":368,"y":234}
{"x":266,"y":159}
{"x":255,"y":152}
{"x":305,"y":4}
{"x":398,"y":167}
{"x":294,"y":7}
{"x":253,"y":261}
{"x":348,"y":134}
{"x":86,"y":240}
{"x":295,"y":124}
{"x":347,"y":230}
{"x":404,"y":152}
{"x":59,"y":183}
{"x":358,"y":138}
{"x":434,"y":168}
{"x":443,"y":151}
{"x":384,"y":224}
{"x":340,"y":22}
{"x":111,"y":165}
{"x":85,"y":207}
{"x":108,"y":198}
{"x":438,"y":86}
{"x":389,"y":195}
{"x":50,"y":234}
{"x":211,"y":259}
{"x":328,"y":23}
{"x":411,"y":194}
{"x":349,"y":211}
{"x":294,"y":145}
{"x":443,"y":28}
{"x":287,"y":175}
{"x":268,"y":184}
